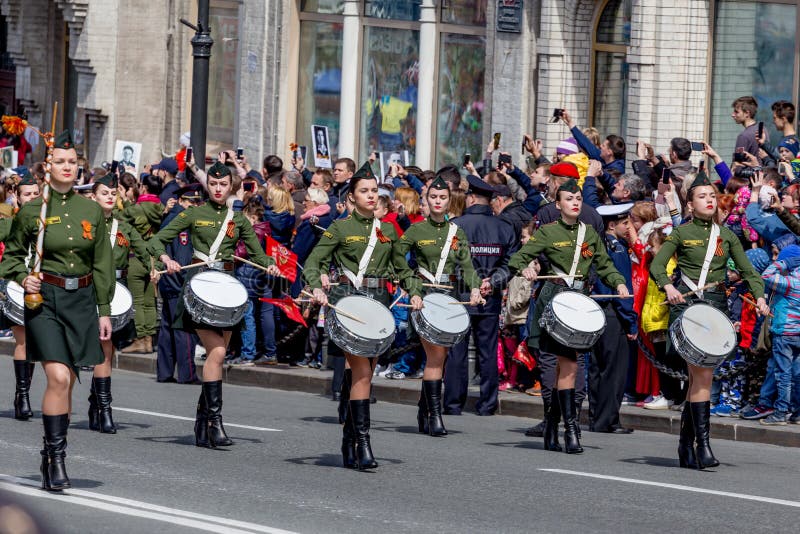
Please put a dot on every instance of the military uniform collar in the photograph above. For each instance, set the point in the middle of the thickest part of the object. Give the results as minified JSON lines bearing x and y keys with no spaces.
{"x":217,"y":207}
{"x":568,"y":226}
{"x":442,"y":224}
{"x":360,"y":218}
{"x":702,"y":222}
{"x":62,"y":196}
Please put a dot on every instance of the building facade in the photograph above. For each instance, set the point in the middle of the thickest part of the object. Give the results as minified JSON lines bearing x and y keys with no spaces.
{"x":433,"y":78}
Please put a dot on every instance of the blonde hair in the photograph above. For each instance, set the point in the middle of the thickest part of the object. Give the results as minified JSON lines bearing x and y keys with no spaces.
{"x":409,"y":198}
{"x":280,"y":200}
{"x":317,"y":195}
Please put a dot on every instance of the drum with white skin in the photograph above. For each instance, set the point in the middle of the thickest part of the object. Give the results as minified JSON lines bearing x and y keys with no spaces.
{"x":703,"y":336}
{"x":442,"y":321}
{"x":14,"y":304}
{"x":121,"y":307}
{"x":370,"y":334}
{"x":574,"y":320}
{"x":215,"y":298}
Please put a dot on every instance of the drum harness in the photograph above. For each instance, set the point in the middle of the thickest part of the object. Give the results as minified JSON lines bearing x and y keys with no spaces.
{"x":570,"y":278}
{"x":213,"y":251}
{"x":358,"y":278}
{"x":434,"y":279}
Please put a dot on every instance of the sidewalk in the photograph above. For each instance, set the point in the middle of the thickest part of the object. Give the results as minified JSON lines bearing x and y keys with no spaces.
{"x":513,"y":404}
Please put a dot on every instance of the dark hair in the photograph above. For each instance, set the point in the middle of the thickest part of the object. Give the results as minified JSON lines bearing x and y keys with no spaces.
{"x":351,"y":165}
{"x":450,"y":174}
{"x":617,"y":145}
{"x":254,"y":206}
{"x":355,"y":181}
{"x":771,"y":175}
{"x":747,"y":104}
{"x":153,"y":184}
{"x":495,"y":178}
{"x":734,"y":184}
{"x":682,"y":148}
{"x":273,"y":164}
{"x":128,"y":182}
{"x":784,"y":109}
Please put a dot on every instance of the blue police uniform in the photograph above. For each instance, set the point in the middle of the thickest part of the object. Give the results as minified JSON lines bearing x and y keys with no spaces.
{"x":492,"y":242}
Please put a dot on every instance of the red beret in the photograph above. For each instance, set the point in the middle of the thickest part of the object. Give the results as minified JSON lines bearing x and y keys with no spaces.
{"x":566,"y":169}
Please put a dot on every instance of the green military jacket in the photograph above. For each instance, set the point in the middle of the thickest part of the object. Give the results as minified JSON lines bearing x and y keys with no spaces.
{"x":789,"y":219}
{"x":557,"y":241}
{"x":690,"y":242}
{"x":5,"y":228}
{"x":145,"y":217}
{"x":345,"y":242}
{"x":205,"y":223}
{"x":426,"y":239}
{"x":75,"y":243}
{"x":126,"y":240}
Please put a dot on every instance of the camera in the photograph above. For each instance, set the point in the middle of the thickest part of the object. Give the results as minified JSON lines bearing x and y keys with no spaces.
{"x":557,"y":114}
{"x":504,"y":159}
{"x":746,"y":173}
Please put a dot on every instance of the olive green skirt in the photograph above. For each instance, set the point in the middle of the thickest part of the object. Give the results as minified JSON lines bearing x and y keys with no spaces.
{"x":65,"y":328}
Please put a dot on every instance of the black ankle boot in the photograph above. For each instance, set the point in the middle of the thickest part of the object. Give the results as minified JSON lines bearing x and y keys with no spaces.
{"x":216,"y":432}
{"x":344,"y":395}
{"x":552,"y":416}
{"x":432,"y":394}
{"x":22,"y":402}
{"x":201,"y":423}
{"x":102,"y":389}
{"x":360,"y":414}
{"x":572,"y":444}
{"x":701,"y":415}
{"x":54,"y":474}
{"x":686,"y":456}
{"x":348,"y":440}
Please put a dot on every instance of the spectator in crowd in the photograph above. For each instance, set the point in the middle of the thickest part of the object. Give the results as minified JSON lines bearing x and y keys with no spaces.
{"x":279,"y":213}
{"x":292,"y":181}
{"x":744,"y":114}
{"x":611,"y":152}
{"x":783,"y":114}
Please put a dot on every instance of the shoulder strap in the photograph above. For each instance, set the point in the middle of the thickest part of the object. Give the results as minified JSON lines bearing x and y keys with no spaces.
{"x":357,"y":278}
{"x":570,"y":278}
{"x":214,"y":249}
{"x":114,"y":228}
{"x":712,"y":247}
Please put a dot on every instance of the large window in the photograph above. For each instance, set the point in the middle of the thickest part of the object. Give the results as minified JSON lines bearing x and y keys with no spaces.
{"x":610,"y":92}
{"x":467,"y":12}
{"x":222,"y":84}
{"x":754,"y":54}
{"x":393,"y":9}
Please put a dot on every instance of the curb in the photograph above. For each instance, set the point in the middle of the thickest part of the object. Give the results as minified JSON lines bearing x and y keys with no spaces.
{"x":287,"y":378}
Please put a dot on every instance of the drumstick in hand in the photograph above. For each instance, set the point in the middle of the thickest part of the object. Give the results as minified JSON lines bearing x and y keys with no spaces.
{"x":695,"y":291}
{"x":393,"y":304}
{"x":190,"y":266}
{"x":557,"y":277}
{"x":257,"y":266}
{"x":337,"y":310}
{"x":754,"y":304}
{"x":437,"y":286}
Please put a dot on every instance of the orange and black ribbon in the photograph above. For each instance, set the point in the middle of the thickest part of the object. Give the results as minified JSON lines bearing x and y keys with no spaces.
{"x":586,"y":252}
{"x":231,"y":228}
{"x":87,"y":229}
{"x":454,"y":244}
{"x":382,"y":238}
{"x":718,"y":251}
{"x":121,"y":241}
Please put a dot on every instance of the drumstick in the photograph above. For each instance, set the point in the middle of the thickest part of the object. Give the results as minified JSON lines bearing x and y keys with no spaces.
{"x":393,"y":304}
{"x":257,"y":266}
{"x":437,"y":286}
{"x":334,"y":308}
{"x":467,"y":303}
{"x":190,"y":266}
{"x":695,"y":291}
{"x":755,"y":305}
{"x":611,"y":296}
{"x":557,"y":276}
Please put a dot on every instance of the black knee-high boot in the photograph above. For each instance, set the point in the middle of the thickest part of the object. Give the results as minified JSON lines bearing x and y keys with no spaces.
{"x":566,"y":398}
{"x":552,"y":416}
{"x":94,"y":417}
{"x":344,"y":399}
{"x":54,"y":474}
{"x":102,"y":389}
{"x":686,"y":455}
{"x":23,"y":372}
{"x":701,"y":420}
{"x":201,"y":422}
{"x":361,"y":423}
{"x":429,"y":416}
{"x":348,"y":439}
{"x":216,"y":432}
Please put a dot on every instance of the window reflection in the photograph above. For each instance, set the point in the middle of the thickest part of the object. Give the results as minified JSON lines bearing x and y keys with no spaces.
{"x":610,"y":93}
{"x":467,"y":12}
{"x":614,"y":26}
{"x":224,"y":22}
{"x":393,"y":9}
{"x":323,"y":6}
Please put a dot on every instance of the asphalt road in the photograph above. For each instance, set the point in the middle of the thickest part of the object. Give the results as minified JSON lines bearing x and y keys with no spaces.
{"x":284,"y":474}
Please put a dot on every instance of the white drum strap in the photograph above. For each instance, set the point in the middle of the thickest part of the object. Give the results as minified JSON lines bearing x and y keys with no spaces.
{"x":570,"y":278}
{"x":356,"y":279}
{"x":434,"y":279}
{"x":28,"y":259}
{"x":212,"y":252}
{"x":712,"y":247}
{"x":114,"y":227}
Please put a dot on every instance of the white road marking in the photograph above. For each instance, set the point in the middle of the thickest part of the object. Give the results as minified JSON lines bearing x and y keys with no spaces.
{"x":181,"y":418}
{"x":744,"y":496}
{"x":138,"y":508}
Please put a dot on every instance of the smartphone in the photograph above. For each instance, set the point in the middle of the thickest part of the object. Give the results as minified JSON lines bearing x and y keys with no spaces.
{"x":114,"y":166}
{"x":467,"y":159}
{"x":249,"y":187}
{"x":80,"y":175}
{"x":782,"y":168}
{"x":497,"y":140}
{"x":665,"y":176}
{"x":522,"y":150}
{"x":239,"y":153}
{"x":189,"y":154}
{"x":738,"y":156}
{"x":300,"y":152}
{"x":702,"y":166}
{"x":698,"y":147}
{"x":557,"y":114}
{"x":760,"y":129}
{"x":504,"y":159}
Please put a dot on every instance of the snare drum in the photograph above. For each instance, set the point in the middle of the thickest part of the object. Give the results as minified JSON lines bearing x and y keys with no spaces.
{"x":14,"y":305}
{"x":440,"y":322}
{"x":121,"y":308}
{"x":574,"y":320}
{"x":703,"y":336}
{"x":372,"y":337}
{"x":215,"y":298}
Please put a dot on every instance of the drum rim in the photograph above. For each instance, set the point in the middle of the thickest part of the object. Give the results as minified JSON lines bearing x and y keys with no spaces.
{"x":679,"y":326}
{"x":584,"y":298}
{"x":421,"y":313}
{"x":214,"y":273}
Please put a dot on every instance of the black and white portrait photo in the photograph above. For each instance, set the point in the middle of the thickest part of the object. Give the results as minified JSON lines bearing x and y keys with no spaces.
{"x":128,"y":154}
{"x":322,"y":147}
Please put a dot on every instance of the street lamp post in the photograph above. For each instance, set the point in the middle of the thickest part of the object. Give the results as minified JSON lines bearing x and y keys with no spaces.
{"x":201,"y":51}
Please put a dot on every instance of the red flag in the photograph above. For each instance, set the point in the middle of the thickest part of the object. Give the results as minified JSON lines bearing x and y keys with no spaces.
{"x":285,"y":259}
{"x":289,"y":308}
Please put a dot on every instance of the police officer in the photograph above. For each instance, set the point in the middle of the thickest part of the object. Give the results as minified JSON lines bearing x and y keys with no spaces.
{"x":177,"y":347}
{"x":491,"y":242}
{"x":610,"y":357}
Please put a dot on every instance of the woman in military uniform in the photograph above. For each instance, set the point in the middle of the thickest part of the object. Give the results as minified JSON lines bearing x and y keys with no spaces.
{"x":123,"y":239}
{"x":692,"y":243}
{"x":566,"y":252}
{"x":346,"y":243}
{"x":427,"y":240}
{"x":27,"y":190}
{"x":208,"y":222}
{"x":76,"y":281}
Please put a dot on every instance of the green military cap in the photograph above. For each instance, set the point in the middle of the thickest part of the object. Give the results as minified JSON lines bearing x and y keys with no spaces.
{"x":27,"y":179}
{"x":109,"y":180}
{"x":701,"y":180}
{"x":438,"y":183}
{"x":64,"y":140}
{"x":218,"y":170}
{"x":365,"y":172}
{"x":570,"y":186}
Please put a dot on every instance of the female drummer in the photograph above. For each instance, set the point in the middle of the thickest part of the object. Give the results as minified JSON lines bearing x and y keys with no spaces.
{"x":570,"y":247}
{"x":27,"y":190}
{"x":123,"y":239}
{"x":703,"y":249}
{"x":212,"y":225}
{"x":358,"y":240}
{"x":433,"y":241}
{"x":76,"y":248}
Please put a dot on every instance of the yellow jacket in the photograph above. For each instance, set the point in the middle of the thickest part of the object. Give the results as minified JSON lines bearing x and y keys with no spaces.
{"x":655,"y":317}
